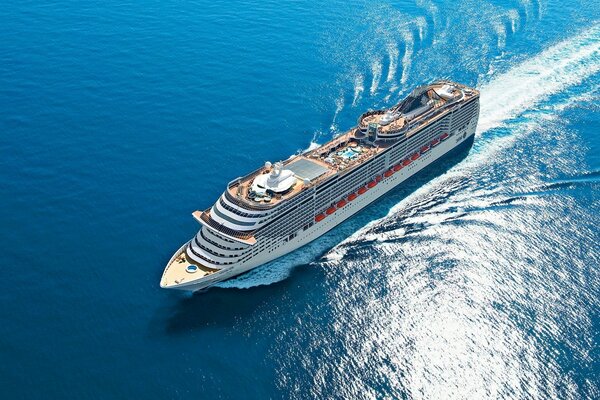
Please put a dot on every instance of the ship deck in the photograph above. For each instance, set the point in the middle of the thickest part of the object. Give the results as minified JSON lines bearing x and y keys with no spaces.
{"x":176,"y":271}
{"x":327,"y":156}
{"x":331,"y":154}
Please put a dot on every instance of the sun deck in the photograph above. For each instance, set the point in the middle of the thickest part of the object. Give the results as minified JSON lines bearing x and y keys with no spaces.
{"x":339,"y":154}
{"x":377,"y":117}
{"x":177,"y":271}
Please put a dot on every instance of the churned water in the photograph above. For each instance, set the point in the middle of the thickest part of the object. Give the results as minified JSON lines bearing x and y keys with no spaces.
{"x":478,"y":278}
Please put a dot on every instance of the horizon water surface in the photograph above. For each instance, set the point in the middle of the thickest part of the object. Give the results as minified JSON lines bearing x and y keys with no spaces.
{"x":478,"y":278}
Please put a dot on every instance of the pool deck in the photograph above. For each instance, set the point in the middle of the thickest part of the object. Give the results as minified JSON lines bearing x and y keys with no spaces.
{"x":176,"y":272}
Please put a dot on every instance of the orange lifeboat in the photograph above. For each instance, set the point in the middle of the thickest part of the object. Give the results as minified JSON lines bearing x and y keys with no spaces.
{"x":319,"y":218}
{"x":371,"y":184}
{"x":389,"y":173}
{"x":406,"y":162}
{"x":415,"y":156}
{"x":362,"y":190}
{"x":444,"y":136}
{"x":425,"y":149}
{"x":435,"y":142}
{"x":397,"y":167}
{"x":341,"y":203}
{"x":352,"y":196}
{"x":378,"y":178}
{"x":330,"y":210}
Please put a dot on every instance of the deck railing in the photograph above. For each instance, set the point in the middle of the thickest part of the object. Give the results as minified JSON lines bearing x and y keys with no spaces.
{"x":368,"y":114}
{"x":223,"y":229}
{"x":247,"y":204}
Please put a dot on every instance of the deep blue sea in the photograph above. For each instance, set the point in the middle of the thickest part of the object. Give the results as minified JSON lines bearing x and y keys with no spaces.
{"x":478,"y":278}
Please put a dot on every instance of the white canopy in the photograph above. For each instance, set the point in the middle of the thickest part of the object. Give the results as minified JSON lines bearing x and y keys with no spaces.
{"x":278,"y":181}
{"x":445,"y":92}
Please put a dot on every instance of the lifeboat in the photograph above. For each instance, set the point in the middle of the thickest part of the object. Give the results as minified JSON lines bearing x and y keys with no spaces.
{"x":415,"y":156}
{"x":341,"y":203}
{"x":397,"y":167}
{"x":362,"y":190}
{"x":352,"y":196}
{"x":378,"y":178}
{"x":389,"y":173}
{"x":330,"y":210}
{"x":425,"y":149}
{"x":444,"y":136}
{"x":406,"y":162}
{"x":319,"y":218}
{"x":371,"y":184}
{"x":435,"y":142}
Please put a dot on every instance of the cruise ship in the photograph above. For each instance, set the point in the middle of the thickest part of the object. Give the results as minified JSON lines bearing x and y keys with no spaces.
{"x":284,"y":205}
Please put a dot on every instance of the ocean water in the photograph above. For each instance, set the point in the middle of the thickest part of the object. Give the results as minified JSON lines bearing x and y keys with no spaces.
{"x":478,"y":278}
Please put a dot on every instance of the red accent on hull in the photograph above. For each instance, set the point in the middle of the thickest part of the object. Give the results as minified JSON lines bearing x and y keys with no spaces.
{"x":397,"y":168}
{"x":444,"y":136}
{"x":435,"y":142}
{"x":388,"y":173}
{"x":352,"y":196}
{"x":378,"y":178}
{"x":362,"y":190}
{"x":330,"y":210}
{"x":371,"y":184}
{"x":415,"y":156}
{"x":424,"y":149}
{"x":406,"y":162}
{"x":319,"y":218}
{"x":341,"y":203}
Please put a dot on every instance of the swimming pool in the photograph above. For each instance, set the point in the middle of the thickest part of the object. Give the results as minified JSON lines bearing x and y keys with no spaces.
{"x":347,"y":154}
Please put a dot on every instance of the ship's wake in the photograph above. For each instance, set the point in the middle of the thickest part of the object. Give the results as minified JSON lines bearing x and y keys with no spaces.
{"x":506,"y":100}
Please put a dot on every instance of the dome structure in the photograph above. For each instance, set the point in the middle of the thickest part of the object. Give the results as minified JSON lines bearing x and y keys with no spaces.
{"x":278,"y":181}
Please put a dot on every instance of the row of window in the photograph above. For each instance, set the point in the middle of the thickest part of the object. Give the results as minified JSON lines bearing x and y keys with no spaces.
{"x":237,"y":210}
{"x":217,"y":244}
{"x":215,"y":209}
{"x":214,"y":253}
{"x":464,"y":115}
{"x":206,"y":259}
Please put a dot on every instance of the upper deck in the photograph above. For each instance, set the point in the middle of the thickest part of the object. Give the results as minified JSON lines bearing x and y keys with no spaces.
{"x":339,"y":154}
{"x":267,"y":187}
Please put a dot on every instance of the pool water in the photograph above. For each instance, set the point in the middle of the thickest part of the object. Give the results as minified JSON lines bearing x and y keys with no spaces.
{"x":348,"y":154}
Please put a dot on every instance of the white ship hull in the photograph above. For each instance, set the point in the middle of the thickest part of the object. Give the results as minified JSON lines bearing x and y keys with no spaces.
{"x":318,"y":229}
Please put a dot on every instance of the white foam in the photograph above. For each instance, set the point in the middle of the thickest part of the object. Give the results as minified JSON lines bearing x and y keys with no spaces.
{"x":409,"y":43}
{"x":500,"y":30}
{"x":526,"y":4}
{"x":515,"y":19}
{"x":392,"y":50}
{"x":431,"y":8}
{"x":376,"y":67}
{"x":523,"y":86}
{"x":422,"y":27}
{"x":359,"y":87}
{"x":311,"y":146}
{"x":339,"y":106}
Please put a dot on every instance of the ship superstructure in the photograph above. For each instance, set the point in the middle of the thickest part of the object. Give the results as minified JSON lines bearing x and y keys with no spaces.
{"x":282,"y":206}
